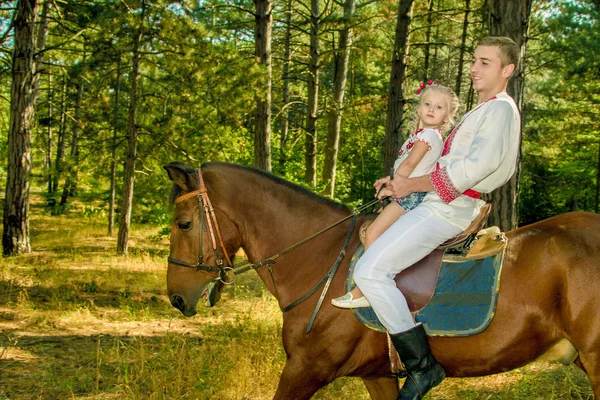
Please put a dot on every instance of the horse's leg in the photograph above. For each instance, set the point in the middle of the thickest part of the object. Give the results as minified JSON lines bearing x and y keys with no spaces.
{"x":298,"y":382}
{"x":382,"y":388}
{"x":590,"y":363}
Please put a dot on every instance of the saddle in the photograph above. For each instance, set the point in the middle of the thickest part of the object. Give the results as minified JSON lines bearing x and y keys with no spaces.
{"x":418,"y":282}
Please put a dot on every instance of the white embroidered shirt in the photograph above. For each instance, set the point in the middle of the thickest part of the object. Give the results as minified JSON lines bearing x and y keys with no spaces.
{"x":480,"y":154}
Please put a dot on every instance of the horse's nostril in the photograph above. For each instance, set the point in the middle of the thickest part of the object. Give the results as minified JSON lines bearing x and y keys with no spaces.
{"x":177,"y":302}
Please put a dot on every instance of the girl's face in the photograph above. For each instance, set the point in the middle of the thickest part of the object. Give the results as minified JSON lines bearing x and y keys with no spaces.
{"x":433,"y":109}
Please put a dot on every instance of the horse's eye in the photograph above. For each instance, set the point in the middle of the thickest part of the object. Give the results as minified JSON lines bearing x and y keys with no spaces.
{"x":184,"y":226}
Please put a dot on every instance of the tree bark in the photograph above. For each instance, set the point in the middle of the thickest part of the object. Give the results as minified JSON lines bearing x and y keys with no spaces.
{"x":262,"y":121}
{"x":341,"y":60}
{"x":463,"y":48}
{"x":310,"y":158}
{"x":287,"y":60}
{"x":60,"y":140}
{"x":41,"y":43}
{"x":113,"y":151}
{"x":127,"y":201}
{"x":510,"y":18}
{"x":396,"y":100}
{"x":597,"y":198}
{"x":427,"y":50}
{"x":70,"y":186}
{"x":49,"y":139}
{"x":15,"y":237}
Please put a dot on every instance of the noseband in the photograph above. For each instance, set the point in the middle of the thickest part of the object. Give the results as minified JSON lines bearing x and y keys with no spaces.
{"x":206,"y":216}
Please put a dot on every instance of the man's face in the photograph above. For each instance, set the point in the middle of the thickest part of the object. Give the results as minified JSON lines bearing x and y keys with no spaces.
{"x":487,"y":70}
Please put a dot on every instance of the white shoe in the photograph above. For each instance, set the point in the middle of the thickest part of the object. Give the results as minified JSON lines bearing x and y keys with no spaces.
{"x":348,"y":301}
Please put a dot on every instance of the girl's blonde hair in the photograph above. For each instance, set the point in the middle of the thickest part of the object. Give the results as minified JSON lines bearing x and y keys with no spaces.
{"x":453,"y":104}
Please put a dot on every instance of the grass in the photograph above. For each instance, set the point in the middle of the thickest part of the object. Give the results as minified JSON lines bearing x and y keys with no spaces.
{"x":79,"y":322}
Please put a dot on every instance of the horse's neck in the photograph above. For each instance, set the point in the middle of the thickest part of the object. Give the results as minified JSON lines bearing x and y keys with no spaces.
{"x":274,"y":218}
{"x":296,"y":272}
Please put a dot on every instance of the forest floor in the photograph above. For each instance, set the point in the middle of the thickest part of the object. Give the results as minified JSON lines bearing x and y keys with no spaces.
{"x":79,"y":322}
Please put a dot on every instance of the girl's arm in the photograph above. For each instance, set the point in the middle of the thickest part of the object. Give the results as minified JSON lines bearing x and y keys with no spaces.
{"x":414,"y":158}
{"x":405,"y":168}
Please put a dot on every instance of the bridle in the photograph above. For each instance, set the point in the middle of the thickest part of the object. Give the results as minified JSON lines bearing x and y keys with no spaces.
{"x":206,"y":216}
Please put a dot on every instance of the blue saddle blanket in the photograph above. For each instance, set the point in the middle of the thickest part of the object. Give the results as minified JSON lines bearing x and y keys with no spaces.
{"x":464,"y":301}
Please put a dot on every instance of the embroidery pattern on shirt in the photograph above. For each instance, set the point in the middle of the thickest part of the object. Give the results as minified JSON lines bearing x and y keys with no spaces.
{"x":412,"y":139}
{"x":443,"y":185}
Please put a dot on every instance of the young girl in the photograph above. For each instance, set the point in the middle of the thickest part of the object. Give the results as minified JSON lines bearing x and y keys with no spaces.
{"x":417,"y":157}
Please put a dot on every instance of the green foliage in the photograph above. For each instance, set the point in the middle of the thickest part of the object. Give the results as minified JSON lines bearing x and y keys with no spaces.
{"x":561,"y":140}
{"x":199,"y":81}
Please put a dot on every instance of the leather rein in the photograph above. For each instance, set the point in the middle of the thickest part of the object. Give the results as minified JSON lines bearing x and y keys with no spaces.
{"x":207,"y":216}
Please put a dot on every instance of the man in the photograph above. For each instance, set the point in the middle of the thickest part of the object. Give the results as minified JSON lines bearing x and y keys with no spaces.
{"x":478,"y":156}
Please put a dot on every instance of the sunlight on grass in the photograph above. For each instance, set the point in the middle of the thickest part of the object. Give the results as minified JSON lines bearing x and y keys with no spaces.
{"x":77,"y":321}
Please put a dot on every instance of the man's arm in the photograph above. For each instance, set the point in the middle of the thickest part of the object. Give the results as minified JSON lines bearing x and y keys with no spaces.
{"x":402,"y":187}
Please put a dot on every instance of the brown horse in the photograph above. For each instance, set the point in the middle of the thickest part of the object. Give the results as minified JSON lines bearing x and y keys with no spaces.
{"x":548,"y":302}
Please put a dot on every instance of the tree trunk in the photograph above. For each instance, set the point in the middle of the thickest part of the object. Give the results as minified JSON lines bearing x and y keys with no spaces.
{"x":262,"y":121}
{"x":49,"y":138}
{"x":15,"y":237}
{"x":597,"y":199}
{"x":510,"y":18}
{"x":41,"y":43}
{"x":341,"y":60}
{"x":113,"y":159}
{"x":396,"y":100}
{"x":427,"y":50}
{"x":60,"y":140}
{"x":436,"y":69}
{"x":310,"y":158}
{"x":126,"y":205}
{"x":70,"y":186}
{"x":287,"y":60}
{"x":463,"y":48}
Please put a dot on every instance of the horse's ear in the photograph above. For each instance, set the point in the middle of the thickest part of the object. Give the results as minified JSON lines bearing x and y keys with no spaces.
{"x":181,"y":175}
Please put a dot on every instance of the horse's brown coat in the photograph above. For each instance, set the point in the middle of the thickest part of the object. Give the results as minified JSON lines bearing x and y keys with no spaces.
{"x":548,"y":290}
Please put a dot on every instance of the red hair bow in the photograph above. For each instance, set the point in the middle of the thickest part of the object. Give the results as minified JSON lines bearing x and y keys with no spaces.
{"x":426,"y":85}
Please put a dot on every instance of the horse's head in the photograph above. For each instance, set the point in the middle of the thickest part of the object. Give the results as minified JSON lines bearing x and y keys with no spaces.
{"x":201,"y":247}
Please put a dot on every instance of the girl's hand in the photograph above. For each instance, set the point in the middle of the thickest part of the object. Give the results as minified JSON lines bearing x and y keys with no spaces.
{"x":385,"y":192}
{"x":380,"y":182}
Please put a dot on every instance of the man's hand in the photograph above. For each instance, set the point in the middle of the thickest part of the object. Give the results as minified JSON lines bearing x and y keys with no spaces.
{"x":402,"y":187}
{"x":398,"y":187}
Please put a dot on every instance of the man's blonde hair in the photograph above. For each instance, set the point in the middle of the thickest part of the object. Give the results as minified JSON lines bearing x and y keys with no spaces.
{"x":509,"y":51}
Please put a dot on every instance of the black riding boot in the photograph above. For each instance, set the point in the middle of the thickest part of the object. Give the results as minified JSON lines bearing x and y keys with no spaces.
{"x":422,"y":370}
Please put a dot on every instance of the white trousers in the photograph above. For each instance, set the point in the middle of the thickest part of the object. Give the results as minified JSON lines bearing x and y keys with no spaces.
{"x":408,"y":240}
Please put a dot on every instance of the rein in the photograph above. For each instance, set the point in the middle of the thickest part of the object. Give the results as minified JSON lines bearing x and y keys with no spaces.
{"x":206,"y":211}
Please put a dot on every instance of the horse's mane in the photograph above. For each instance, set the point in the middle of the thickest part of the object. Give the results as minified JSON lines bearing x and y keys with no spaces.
{"x":176,"y":190}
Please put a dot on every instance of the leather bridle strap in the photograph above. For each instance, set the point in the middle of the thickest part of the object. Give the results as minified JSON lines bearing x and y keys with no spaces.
{"x":206,"y":215}
{"x":211,"y":220}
